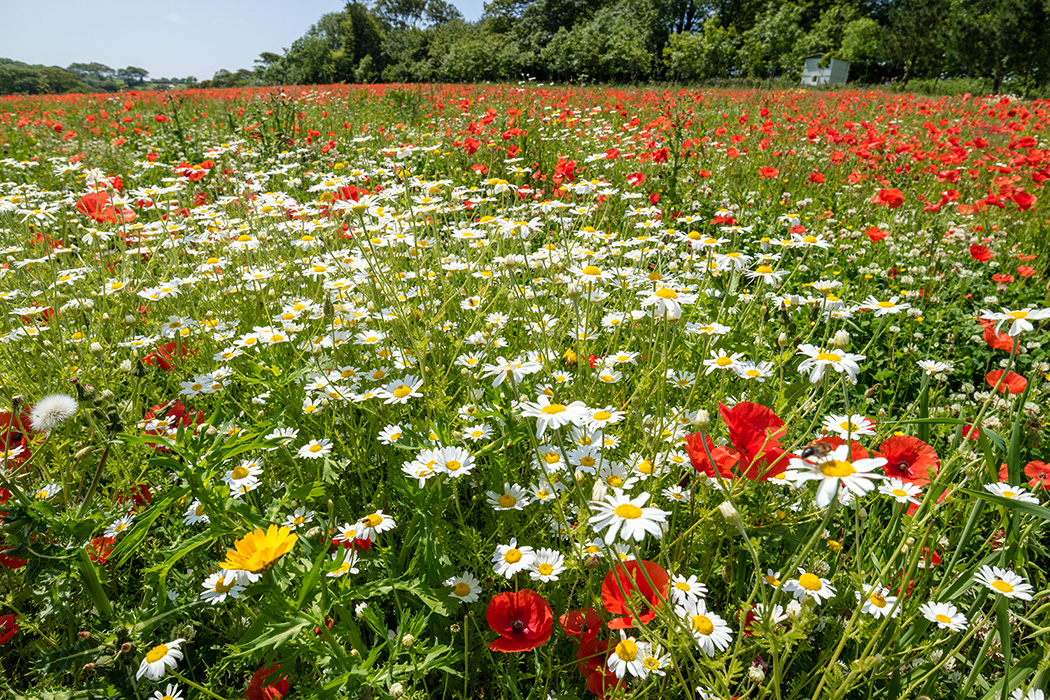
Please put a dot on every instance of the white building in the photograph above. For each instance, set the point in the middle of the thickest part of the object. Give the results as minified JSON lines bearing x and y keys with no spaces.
{"x":835,"y":73}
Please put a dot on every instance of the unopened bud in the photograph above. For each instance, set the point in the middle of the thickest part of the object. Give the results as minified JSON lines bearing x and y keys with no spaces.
{"x":88,"y":667}
{"x":756,"y":674}
{"x":397,"y":690}
{"x":127,"y":648}
{"x":702,"y":420}
{"x":782,"y":339}
{"x":729,"y":512}
{"x":841,"y":340}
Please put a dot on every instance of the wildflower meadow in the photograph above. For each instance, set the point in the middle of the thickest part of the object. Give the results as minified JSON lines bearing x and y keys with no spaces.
{"x":523,"y":392}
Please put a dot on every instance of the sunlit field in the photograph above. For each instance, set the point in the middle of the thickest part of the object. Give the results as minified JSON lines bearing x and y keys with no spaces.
{"x":530,"y":393}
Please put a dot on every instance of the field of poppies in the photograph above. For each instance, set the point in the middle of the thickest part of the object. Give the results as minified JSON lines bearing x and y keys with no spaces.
{"x":520,"y":392}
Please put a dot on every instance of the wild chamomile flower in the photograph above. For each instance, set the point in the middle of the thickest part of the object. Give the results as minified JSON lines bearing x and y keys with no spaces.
{"x":626,"y":657}
{"x":509,"y":559}
{"x":453,"y":461}
{"x":602,"y":417}
{"x":300,"y":518}
{"x":248,"y":471}
{"x":932,"y":367}
{"x":476,"y":433}
{"x":220,"y":586}
{"x":373,"y":524}
{"x":316,"y":449}
{"x":884,"y":308}
{"x":513,"y":497}
{"x":390,"y":434}
{"x":677,"y":494}
{"x":547,"y":565}
{"x":877,"y":601}
{"x":849,"y":427}
{"x":1016,"y":493}
{"x":465,"y":587}
{"x":720,"y":359}
{"x":819,"y":359}
{"x":809,"y":585}
{"x":772,"y":578}
{"x":711,"y":632}
{"x":195,"y":514}
{"x":901,"y":491}
{"x":685,"y":589}
{"x":553,"y":415}
{"x":283,"y":436}
{"x":119,"y":526}
{"x":1003,"y":581}
{"x":945,"y":615}
{"x":400,"y":391}
{"x":1020,"y":320}
{"x":45,"y":492}
{"x":756,"y":371}
{"x":835,"y":471}
{"x":159,"y":659}
{"x":171,"y":692}
{"x":620,"y":515}
{"x":343,"y":562}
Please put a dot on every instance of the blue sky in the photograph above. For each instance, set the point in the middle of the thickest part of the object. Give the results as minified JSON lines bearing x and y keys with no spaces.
{"x":176,"y":38}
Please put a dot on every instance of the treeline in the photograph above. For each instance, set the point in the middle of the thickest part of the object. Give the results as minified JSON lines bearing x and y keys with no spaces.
{"x":945,"y":45}
{"x":991,"y":44}
{"x":17,"y":78}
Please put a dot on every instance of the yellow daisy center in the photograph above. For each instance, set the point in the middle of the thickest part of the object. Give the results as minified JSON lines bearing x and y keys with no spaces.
{"x":507,"y":501}
{"x":553,"y":409}
{"x":461,"y":589}
{"x":837,"y":468}
{"x":627,"y":650}
{"x":545,"y":569}
{"x":513,"y":556}
{"x":665,"y":293}
{"x":157,"y":653}
{"x":703,"y":624}
{"x":943,"y":619}
{"x":1002,"y":586}
{"x":628,"y":511}
{"x":373,"y":520}
{"x":810,"y":582}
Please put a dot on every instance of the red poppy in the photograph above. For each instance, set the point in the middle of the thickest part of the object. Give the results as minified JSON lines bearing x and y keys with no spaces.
{"x":909,"y":459}
{"x":592,"y":654}
{"x":768,"y":171}
{"x":981,"y":253}
{"x":971,"y":431}
{"x":8,"y":627}
{"x":816,"y":178}
{"x":1025,"y":270}
{"x":98,"y":207}
{"x":888,"y":197}
{"x":627,"y":586}
{"x":8,"y":560}
{"x":523,"y":620}
{"x":1002,"y":279}
{"x":635,"y":179}
{"x":582,"y":624}
{"x":261,"y":689}
{"x":165,"y":355}
{"x":876,"y":234}
{"x":1024,"y":200}
{"x":603,"y":682}
{"x":755,"y":431}
{"x":1013,"y":383}
{"x":996,"y":339}
{"x":177,"y":416}
{"x":139,"y":495}
{"x":725,"y":457}
{"x":100,"y":548}
{"x":1038,"y":474}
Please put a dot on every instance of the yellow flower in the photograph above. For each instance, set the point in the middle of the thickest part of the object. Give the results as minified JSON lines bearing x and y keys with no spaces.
{"x":258,"y":550}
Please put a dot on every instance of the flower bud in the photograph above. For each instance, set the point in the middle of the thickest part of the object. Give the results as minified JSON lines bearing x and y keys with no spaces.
{"x":782,"y":339}
{"x":397,"y":690}
{"x":729,"y":512}
{"x":702,"y":420}
{"x":756,"y":674}
{"x":408,"y":641}
{"x":841,"y":340}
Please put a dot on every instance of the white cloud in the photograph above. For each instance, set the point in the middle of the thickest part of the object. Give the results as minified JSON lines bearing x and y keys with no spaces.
{"x":174,"y":19}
